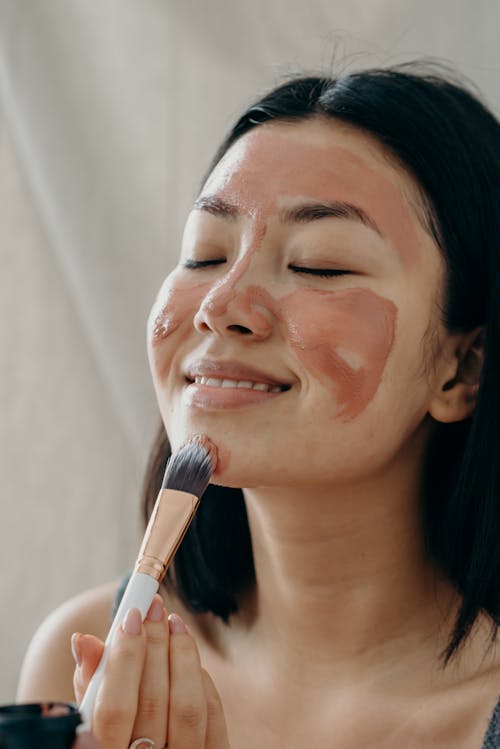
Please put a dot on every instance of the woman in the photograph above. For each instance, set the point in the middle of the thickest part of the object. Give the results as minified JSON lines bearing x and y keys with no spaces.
{"x":333,"y":326}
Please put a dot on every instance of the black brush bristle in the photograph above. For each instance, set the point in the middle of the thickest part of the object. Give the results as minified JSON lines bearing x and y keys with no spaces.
{"x":189,"y":469}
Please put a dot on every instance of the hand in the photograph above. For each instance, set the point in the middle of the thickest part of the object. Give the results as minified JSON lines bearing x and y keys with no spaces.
{"x":153,"y":685}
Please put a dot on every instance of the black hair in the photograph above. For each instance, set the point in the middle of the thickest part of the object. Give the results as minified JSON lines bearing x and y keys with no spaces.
{"x":449,"y":141}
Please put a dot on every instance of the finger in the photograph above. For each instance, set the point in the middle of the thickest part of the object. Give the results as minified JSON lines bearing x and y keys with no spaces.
{"x":216,"y":733}
{"x":151,"y":719}
{"x":187,"y":715}
{"x":117,"y":697}
{"x":87,"y":652}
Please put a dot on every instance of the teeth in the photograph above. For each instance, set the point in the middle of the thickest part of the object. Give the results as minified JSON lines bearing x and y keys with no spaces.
{"x":212,"y":382}
{"x":248,"y":384}
{"x":244,"y":384}
{"x":229,"y":383}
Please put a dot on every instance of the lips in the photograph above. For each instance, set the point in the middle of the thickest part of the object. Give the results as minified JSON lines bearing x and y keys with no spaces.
{"x":230,"y":374}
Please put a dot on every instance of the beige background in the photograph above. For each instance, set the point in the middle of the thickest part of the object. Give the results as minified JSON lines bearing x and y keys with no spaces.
{"x":109,"y":113}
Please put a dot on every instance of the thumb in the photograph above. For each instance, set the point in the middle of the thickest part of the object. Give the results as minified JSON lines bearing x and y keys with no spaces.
{"x":87,"y":651}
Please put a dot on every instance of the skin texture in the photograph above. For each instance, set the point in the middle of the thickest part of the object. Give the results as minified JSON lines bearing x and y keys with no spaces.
{"x":326,"y":329}
{"x":336,"y":335}
{"x":329,"y":334}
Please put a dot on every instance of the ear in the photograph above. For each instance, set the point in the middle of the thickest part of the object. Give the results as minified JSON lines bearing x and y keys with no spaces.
{"x":458,"y":380}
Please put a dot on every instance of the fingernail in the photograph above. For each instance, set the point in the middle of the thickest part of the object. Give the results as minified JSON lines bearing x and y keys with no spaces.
{"x":156,"y":611}
{"x":75,"y":649}
{"x":132,"y":624}
{"x":176,"y":625}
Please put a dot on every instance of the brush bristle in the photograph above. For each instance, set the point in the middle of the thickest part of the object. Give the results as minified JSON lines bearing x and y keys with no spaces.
{"x":190,"y":468}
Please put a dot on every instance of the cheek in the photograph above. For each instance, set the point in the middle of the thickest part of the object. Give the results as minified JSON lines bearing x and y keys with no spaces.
{"x":175,"y":306}
{"x":343,"y":339}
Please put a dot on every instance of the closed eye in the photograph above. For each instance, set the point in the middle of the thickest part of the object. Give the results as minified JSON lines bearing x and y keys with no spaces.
{"x":322,"y":272}
{"x":193,"y":264}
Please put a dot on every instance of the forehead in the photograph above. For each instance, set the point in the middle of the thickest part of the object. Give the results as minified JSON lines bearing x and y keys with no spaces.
{"x":321,"y":160}
{"x":313,"y":154}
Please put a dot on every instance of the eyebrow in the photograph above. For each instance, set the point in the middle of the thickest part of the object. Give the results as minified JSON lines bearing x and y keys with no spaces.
{"x":300,"y":214}
{"x":335,"y":209}
{"x":216,"y":206}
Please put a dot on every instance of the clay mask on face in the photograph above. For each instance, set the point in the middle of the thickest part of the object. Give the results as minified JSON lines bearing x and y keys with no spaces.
{"x":267,"y":165}
{"x":342,"y":337}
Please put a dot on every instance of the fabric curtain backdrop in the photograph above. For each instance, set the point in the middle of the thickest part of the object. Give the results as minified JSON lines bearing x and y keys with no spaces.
{"x":109,"y":113}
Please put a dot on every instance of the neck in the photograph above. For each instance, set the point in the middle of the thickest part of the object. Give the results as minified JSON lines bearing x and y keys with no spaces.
{"x":342,"y":579}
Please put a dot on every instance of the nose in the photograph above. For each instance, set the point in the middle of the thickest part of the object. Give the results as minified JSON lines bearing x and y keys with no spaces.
{"x":228,"y":310}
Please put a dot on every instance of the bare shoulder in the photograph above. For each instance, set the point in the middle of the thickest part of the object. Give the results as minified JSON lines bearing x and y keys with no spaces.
{"x":47,"y":671}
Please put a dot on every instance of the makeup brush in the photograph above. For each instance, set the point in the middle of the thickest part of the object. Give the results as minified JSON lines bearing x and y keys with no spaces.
{"x":186,"y":477}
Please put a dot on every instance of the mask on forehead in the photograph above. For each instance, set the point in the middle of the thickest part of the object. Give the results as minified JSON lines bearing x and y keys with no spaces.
{"x":271,"y":163}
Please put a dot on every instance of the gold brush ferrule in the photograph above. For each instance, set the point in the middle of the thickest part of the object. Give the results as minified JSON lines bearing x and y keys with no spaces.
{"x":169,"y":521}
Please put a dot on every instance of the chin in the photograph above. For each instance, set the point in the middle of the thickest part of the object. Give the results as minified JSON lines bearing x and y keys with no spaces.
{"x":239,"y":473}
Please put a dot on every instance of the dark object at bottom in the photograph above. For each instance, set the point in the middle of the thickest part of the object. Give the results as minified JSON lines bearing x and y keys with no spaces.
{"x":42,"y":725}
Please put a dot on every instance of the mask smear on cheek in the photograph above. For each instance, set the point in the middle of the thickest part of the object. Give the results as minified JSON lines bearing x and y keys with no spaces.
{"x":163,"y":319}
{"x":343,"y":339}
{"x":173,"y":308}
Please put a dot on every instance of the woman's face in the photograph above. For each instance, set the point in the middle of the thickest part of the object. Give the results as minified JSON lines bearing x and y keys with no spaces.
{"x":293,"y":331}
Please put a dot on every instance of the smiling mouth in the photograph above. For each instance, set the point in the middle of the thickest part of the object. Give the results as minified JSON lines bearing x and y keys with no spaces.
{"x":219,"y":382}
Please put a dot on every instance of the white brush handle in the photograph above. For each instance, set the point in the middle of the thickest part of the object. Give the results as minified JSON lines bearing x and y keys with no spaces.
{"x":138,"y":594}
